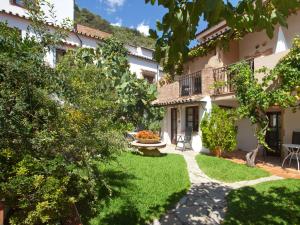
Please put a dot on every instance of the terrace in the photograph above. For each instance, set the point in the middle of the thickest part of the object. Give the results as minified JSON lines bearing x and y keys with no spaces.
{"x":190,"y":84}
{"x":223,"y":77}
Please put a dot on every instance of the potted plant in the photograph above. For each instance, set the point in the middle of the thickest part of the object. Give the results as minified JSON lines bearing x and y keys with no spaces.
{"x":219,"y":131}
{"x":147,"y":137}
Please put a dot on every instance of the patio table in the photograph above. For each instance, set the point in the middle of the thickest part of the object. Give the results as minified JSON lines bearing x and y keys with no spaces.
{"x":293,"y":150}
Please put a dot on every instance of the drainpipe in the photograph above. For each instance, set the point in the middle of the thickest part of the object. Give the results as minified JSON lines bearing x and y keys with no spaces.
{"x":75,"y":31}
{"x":157,"y":72}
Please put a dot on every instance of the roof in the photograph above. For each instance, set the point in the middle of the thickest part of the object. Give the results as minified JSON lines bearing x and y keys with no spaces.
{"x":91,"y":32}
{"x":135,"y":46}
{"x":79,"y":29}
{"x":210,"y":30}
{"x":140,"y":56}
{"x":212,"y":37}
{"x":169,"y":95}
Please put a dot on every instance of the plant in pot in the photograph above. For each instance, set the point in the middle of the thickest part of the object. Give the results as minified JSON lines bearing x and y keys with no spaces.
{"x":219,"y":130}
{"x":147,"y":137}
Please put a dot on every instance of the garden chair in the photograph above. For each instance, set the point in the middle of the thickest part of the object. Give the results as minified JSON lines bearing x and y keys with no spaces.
{"x":296,"y":138}
{"x":185,"y":139}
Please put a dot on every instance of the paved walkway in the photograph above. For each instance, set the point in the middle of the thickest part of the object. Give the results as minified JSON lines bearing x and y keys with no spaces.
{"x":205,"y":201}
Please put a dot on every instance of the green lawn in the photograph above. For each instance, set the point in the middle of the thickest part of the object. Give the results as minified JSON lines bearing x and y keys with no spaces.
{"x":144,"y":187}
{"x":228,"y":171}
{"x":276,"y":202}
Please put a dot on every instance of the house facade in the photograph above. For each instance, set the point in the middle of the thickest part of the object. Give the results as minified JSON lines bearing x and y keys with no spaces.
{"x":191,"y":95}
{"x":15,"y":14}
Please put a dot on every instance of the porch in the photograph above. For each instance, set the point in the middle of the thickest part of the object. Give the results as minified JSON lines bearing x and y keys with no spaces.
{"x":272,"y":164}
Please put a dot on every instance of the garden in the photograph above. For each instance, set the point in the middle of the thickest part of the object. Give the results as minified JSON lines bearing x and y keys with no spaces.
{"x":63,"y":151}
{"x":55,"y":141}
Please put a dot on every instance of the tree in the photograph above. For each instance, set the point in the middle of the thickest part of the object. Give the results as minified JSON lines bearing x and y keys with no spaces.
{"x":136,"y":96}
{"x":53,"y":132}
{"x":280,"y":87}
{"x":179,"y":25}
{"x":219,"y":130}
{"x":57,"y":125}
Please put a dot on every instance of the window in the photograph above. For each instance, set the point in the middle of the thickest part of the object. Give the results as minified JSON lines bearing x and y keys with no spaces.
{"x":59,"y":54}
{"x":149,"y":76}
{"x":150,"y":79}
{"x":20,"y":3}
{"x":192,"y":117}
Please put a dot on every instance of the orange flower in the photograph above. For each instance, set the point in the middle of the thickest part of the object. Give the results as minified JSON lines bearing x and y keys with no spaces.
{"x":145,"y":134}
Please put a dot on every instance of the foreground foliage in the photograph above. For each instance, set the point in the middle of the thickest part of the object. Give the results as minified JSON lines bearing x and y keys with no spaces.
{"x":276,"y":202}
{"x":143,"y":188}
{"x":53,"y":133}
{"x":179,"y":25}
{"x":218,"y":129}
{"x":227,"y":171}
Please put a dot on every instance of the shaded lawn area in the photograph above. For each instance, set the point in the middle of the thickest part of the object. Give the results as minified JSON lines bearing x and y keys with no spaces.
{"x":276,"y":202}
{"x":143,"y":188}
{"x":228,"y":171}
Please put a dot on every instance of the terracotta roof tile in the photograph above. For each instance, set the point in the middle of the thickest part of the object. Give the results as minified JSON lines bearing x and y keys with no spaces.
{"x":80,"y":29}
{"x":91,"y":32}
{"x":169,"y":95}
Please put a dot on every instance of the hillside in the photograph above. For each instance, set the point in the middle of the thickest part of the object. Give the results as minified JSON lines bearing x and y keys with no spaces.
{"x":126,"y":35}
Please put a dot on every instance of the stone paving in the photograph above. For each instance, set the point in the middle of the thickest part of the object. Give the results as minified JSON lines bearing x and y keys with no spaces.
{"x":205,"y":202}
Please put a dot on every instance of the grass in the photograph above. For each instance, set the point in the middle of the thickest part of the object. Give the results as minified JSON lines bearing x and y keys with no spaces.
{"x":228,"y":171}
{"x":276,"y":202}
{"x":143,"y":188}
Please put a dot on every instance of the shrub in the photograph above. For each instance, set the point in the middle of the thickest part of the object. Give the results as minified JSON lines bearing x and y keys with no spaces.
{"x":219,"y":130}
{"x":52,"y":132}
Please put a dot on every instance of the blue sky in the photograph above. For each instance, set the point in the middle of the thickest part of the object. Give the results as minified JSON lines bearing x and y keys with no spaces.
{"x":130,"y":13}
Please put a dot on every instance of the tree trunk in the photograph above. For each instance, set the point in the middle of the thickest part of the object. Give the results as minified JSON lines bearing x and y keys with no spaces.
{"x":251,"y":156}
{"x":261,"y":130}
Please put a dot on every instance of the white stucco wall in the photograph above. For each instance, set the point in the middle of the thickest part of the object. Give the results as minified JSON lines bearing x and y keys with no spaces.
{"x":245,"y":136}
{"x":166,"y":126}
{"x":291,"y":123}
{"x":197,"y":144}
{"x":138,"y":64}
{"x":64,"y":9}
{"x":145,"y":52}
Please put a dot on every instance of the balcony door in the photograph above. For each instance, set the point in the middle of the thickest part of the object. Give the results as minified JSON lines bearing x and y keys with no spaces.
{"x":173,"y":125}
{"x":273,"y":135}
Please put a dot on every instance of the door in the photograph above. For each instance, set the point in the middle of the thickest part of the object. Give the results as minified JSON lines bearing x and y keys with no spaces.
{"x":273,"y":135}
{"x":173,"y":125}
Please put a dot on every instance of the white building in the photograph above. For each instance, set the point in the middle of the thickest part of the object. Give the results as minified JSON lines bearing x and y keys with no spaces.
{"x":15,"y":14}
{"x":142,"y":63}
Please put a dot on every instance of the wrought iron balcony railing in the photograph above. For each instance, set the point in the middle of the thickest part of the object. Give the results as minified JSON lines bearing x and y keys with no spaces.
{"x":223,"y":78}
{"x":190,"y":84}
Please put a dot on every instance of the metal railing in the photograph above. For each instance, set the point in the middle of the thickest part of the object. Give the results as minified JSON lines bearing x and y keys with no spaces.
{"x":223,"y":78}
{"x":190,"y":84}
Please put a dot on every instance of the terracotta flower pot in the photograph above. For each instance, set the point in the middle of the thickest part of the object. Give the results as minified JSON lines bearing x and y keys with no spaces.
{"x":148,"y":141}
{"x":217,"y":152}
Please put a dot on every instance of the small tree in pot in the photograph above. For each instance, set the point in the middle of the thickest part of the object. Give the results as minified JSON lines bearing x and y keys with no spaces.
{"x":219,"y":130}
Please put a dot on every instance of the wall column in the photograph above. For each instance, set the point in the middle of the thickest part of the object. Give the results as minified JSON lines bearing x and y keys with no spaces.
{"x":1,"y":213}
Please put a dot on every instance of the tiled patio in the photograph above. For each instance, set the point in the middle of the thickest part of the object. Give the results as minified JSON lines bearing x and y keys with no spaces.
{"x":270,"y":163}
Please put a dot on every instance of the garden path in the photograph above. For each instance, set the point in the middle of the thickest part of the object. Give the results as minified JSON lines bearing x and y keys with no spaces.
{"x":205,"y":201}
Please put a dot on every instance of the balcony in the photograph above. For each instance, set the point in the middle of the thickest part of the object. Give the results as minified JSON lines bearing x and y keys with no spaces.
{"x":190,"y":84}
{"x":223,"y":78}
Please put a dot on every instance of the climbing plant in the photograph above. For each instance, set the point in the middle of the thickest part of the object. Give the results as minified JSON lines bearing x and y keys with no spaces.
{"x":279,"y":87}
